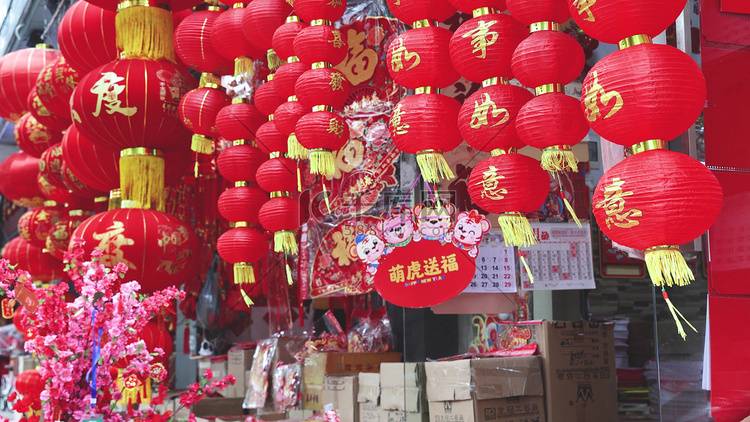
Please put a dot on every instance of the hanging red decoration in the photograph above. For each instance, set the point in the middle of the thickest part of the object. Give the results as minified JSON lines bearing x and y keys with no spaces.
{"x":55,"y":85}
{"x":283,"y":38}
{"x":286,"y":77}
{"x":417,"y":58}
{"x":270,"y":140}
{"x":327,"y":10}
{"x":279,"y":174}
{"x":267,"y":99}
{"x":532,"y":11}
{"x":323,"y":86}
{"x":158,"y":249}
{"x":18,"y":180}
{"x":154,"y":335}
{"x":18,"y":72}
{"x":30,"y":384}
{"x":59,"y":235}
{"x":482,"y":47}
{"x":238,"y":121}
{"x":35,"y":224}
{"x":417,"y":10}
{"x":281,"y":217}
{"x":242,"y":246}
{"x":87,"y":36}
{"x":42,"y":266}
{"x":656,"y":85}
{"x":320,"y":43}
{"x":470,"y":6}
{"x":262,"y":18}
{"x":242,"y":203}
{"x":550,"y":120}
{"x":52,"y":192}
{"x":561,"y":55}
{"x":239,"y":163}
{"x":227,"y":39}
{"x":198,"y":111}
{"x":192,"y":43}
{"x":34,"y":138}
{"x":322,"y":132}
{"x":52,"y":121}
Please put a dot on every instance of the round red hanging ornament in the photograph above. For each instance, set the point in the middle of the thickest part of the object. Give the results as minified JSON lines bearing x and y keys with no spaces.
{"x":76,"y":186}
{"x":192,"y":43}
{"x":198,"y":111}
{"x":323,"y":86}
{"x":487,"y":119}
{"x":154,"y":336}
{"x":283,"y":38}
{"x":52,"y":192}
{"x":30,"y":384}
{"x":279,"y":174}
{"x":469,"y":6}
{"x":329,"y":10}
{"x":532,"y":11}
{"x":239,"y":120}
{"x":281,"y":216}
{"x":239,"y":163}
{"x":418,"y":58}
{"x":287,"y":115}
{"x":51,"y":166}
{"x":34,"y":138}
{"x":227,"y":39}
{"x":320,"y":43}
{"x":158,"y":249}
{"x":52,"y":121}
{"x":322,"y":132}
{"x":242,"y":246}
{"x":42,"y":266}
{"x":35,"y":224}
{"x":58,"y":238}
{"x":242,"y":203}
{"x":55,"y":85}
{"x":658,"y":86}
{"x":18,"y":180}
{"x":412,"y":11}
{"x":286,"y":77}
{"x":548,"y":57}
{"x":267,"y":98}
{"x":87,"y":36}
{"x":262,"y":18}
{"x":511,"y":185}
{"x":18,"y":72}
{"x":270,"y":140}
{"x":482,"y":47}
{"x":612,"y":21}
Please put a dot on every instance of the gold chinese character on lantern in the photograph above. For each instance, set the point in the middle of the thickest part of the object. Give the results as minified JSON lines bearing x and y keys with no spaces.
{"x":108,"y":92}
{"x":396,"y":274}
{"x":414,"y":271}
{"x":111,"y":242}
{"x":491,"y":184}
{"x":482,"y":37}
{"x":584,"y":6}
{"x":397,"y":126}
{"x":597,"y":94}
{"x":400,"y":54}
{"x":448,"y":263}
{"x":482,"y":111}
{"x":337,"y":80}
{"x":614,"y":206}
{"x":335,"y":127}
{"x":335,"y":3}
{"x":337,"y":41}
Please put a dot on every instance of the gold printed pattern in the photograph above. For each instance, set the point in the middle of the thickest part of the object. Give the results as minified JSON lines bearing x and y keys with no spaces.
{"x":482,"y":37}
{"x":335,"y":127}
{"x":111,"y":242}
{"x":108,"y":92}
{"x":491,"y":184}
{"x":482,"y":111}
{"x":584,"y":6}
{"x":613,"y":205}
{"x":397,"y":126}
{"x":400,"y":54}
{"x":597,"y":94}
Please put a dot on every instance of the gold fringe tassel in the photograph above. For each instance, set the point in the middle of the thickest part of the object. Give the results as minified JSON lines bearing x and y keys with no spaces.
{"x":667,"y":266}
{"x":202,"y":144}
{"x":284,"y":241}
{"x":295,"y":150}
{"x":145,"y":32}
{"x":321,"y":162}
{"x":274,"y":62}
{"x":675,"y":313}
{"x":516,"y":230}
{"x":433,"y":166}
{"x":289,"y":279}
{"x":526,"y":266}
{"x":559,"y":160}
{"x":244,"y":273}
{"x":571,"y":211}
{"x":243,"y":66}
{"x":142,"y":181}
{"x":249,"y":302}
{"x":115,"y":199}
{"x":325,"y":197}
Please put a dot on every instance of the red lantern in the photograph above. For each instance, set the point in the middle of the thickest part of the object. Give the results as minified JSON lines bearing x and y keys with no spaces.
{"x":87,"y":36}
{"x":328,"y":10}
{"x":511,"y":185}
{"x":239,"y":163}
{"x":270,"y":140}
{"x":53,"y":121}
{"x":59,"y":235}
{"x":552,"y":122}
{"x":418,"y":58}
{"x":320,"y":43}
{"x":158,"y":249}
{"x":18,"y":72}
{"x":192,"y":43}
{"x":469,"y":6}
{"x":22,"y":324}
{"x":51,"y":166}
{"x":416,"y":10}
{"x":324,"y":86}
{"x":287,"y":115}
{"x":322,"y":132}
{"x":227,"y":38}
{"x":286,"y":77}
{"x":42,"y":266}
{"x":657,"y":86}
{"x":154,"y":336}
{"x":267,"y":98}
{"x":611,"y":21}
{"x":242,"y":203}
{"x":262,"y":18}
{"x":18,"y":180}
{"x":487,"y":118}
{"x":52,"y":192}
{"x":279,"y":174}
{"x":283,"y":38}
{"x":531,"y":11}
{"x":29,"y":384}
{"x":198,"y":111}
{"x":482,"y":47}
{"x":242,"y":246}
{"x":425,"y":124}
{"x":281,"y":216}
{"x":34,"y":138}
{"x":548,"y":57}
{"x":239,"y":121}
{"x":35,"y":224}
{"x":55,"y":85}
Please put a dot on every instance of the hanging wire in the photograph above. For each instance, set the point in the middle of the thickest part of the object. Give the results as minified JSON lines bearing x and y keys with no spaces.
{"x":53,"y":20}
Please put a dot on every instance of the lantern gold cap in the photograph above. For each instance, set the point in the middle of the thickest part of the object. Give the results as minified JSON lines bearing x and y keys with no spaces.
{"x":546,"y":89}
{"x":498,"y":80}
{"x":127,"y":152}
{"x":318,"y":22}
{"x":544,"y":26}
{"x":482,"y":11}
{"x":241,"y":184}
{"x":499,"y":151}
{"x":279,"y":194}
{"x":427,"y":90}
{"x":238,"y":5}
{"x":323,"y":108}
{"x":633,"y":41}
{"x":649,"y":145}
{"x":290,"y":19}
{"x":44,"y":46}
{"x":423,"y":23}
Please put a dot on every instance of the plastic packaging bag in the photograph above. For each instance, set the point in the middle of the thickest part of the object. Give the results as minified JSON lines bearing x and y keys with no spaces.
{"x":371,"y":332}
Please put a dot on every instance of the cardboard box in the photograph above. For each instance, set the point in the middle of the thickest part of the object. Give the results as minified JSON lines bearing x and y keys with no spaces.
{"x":486,"y":390}
{"x":341,"y":392}
{"x":300,"y":414}
{"x":239,"y":361}
{"x":368,"y":396}
{"x":579,"y":371}
{"x":402,"y":392}
{"x":219,"y":366}
{"x":218,"y":406}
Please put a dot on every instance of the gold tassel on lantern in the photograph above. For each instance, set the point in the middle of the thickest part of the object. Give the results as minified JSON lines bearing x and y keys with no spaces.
{"x":202,"y":144}
{"x":295,"y":150}
{"x":559,"y":158}
{"x":516,"y":229}
{"x":321,"y":162}
{"x":249,"y":302}
{"x":667,"y":266}
{"x":244,"y":273}
{"x":243,"y":66}
{"x":433,"y":166}
{"x":284,"y":241}
{"x":676,"y":315}
{"x":142,"y":178}
{"x":115,"y":199}
{"x":273,"y":60}
{"x":144,"y":31}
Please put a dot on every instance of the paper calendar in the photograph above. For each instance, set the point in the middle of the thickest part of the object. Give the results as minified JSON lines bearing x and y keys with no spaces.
{"x":562,"y":258}
{"x":496,"y":267}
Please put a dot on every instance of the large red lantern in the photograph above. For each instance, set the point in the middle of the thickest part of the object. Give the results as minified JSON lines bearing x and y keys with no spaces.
{"x":18,"y":72}
{"x":283,"y":38}
{"x":42,"y":266}
{"x":55,"y":85}
{"x":87,"y":36}
{"x":425,"y":125}
{"x":656,"y":85}
{"x":323,"y":86}
{"x":35,"y":224}
{"x":61,"y":231}
{"x":413,"y":11}
{"x":548,"y":57}
{"x":242,"y":246}
{"x":33,"y":137}
{"x":192,"y":42}
{"x":482,"y":47}
{"x":158,"y":249}
{"x":511,"y":185}
{"x":529,"y":12}
{"x":487,"y":119}
{"x":417,"y":58}
{"x":18,"y":180}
